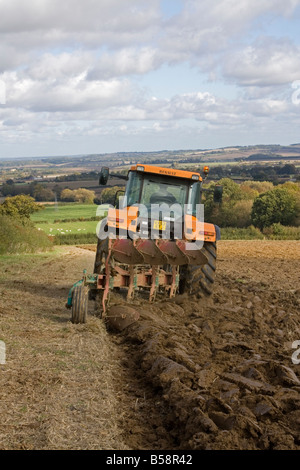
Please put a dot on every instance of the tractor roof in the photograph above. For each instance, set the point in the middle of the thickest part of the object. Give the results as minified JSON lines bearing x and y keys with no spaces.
{"x":167,"y":171}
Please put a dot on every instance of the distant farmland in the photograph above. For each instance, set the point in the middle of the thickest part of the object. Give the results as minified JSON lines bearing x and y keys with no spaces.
{"x":68,"y":223}
{"x":64,"y":212}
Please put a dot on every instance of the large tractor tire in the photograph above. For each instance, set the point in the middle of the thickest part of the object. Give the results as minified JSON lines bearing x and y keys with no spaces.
{"x":199,"y":280}
{"x":101,"y":254}
{"x":99,"y":268}
{"x":80,"y":304}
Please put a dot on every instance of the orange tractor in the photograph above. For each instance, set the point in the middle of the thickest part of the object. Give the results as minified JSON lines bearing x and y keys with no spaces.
{"x":154,"y":239}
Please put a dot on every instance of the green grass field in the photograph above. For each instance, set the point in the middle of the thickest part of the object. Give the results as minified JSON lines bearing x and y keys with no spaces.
{"x":65,"y":228}
{"x":68,"y":223}
{"x":65,"y":211}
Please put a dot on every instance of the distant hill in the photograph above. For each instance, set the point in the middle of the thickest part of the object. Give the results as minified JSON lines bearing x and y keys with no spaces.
{"x":89,"y":162}
{"x":268,"y":157}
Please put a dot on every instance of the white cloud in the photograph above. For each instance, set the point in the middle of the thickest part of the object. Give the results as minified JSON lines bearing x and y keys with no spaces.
{"x":64,"y":93}
{"x":75,"y":69}
{"x":74,"y":15}
{"x":54,"y":67}
{"x":41,"y":23}
{"x":126,"y":61}
{"x":267,"y":62}
{"x":208,"y":26}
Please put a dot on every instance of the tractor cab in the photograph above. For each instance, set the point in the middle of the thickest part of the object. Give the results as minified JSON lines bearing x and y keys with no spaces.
{"x":158,"y":203}
{"x":151,"y":186}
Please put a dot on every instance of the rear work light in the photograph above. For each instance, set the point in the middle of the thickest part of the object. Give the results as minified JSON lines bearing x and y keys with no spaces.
{"x":209,"y":234}
{"x":195,"y":177}
{"x":140,"y":168}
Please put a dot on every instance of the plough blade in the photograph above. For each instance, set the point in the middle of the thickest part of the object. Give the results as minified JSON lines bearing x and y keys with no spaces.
{"x":124,"y":251}
{"x":142,"y":263}
{"x":195,"y":257}
{"x":151,"y":252}
{"x":156,"y":252}
{"x":175,"y":256}
{"x":120,"y":317}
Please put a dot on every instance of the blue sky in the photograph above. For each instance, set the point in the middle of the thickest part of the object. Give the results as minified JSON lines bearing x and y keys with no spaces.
{"x":171,"y":7}
{"x":141,"y":75}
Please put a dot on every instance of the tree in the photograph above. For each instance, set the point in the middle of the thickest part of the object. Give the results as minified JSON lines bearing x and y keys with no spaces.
{"x":275,"y":206}
{"x":19,"y":206}
{"x":260,"y":186}
{"x":82,"y":195}
{"x":294,"y":188}
{"x":224,"y":214}
{"x":248,"y":192}
{"x":108,"y":194}
{"x":287,"y":169}
{"x":57,"y":190}
{"x":85,"y":196}
{"x":237,"y":216}
{"x":67,"y":195}
{"x":231,"y":191}
{"x":41,"y":193}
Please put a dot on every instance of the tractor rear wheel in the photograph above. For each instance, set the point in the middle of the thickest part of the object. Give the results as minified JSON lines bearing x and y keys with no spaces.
{"x":101,"y":254}
{"x":198,"y":280}
{"x":99,"y":268}
{"x":80,"y":304}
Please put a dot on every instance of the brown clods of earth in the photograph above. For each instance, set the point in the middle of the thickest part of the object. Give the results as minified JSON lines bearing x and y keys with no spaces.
{"x":224,"y":364}
{"x":209,"y":373}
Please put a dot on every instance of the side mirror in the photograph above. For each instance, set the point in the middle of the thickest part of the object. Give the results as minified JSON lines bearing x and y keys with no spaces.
{"x":104,"y":174}
{"x":218,"y":193}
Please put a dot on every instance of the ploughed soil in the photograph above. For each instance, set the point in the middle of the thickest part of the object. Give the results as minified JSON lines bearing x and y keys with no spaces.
{"x":218,"y":372}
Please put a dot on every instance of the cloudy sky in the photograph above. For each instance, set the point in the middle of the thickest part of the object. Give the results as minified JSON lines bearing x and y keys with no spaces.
{"x":97,"y":76}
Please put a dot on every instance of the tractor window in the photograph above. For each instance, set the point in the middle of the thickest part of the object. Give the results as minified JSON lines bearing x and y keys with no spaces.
{"x":133,"y":188}
{"x":194,"y":198}
{"x":157,"y":191}
{"x":147,"y":189}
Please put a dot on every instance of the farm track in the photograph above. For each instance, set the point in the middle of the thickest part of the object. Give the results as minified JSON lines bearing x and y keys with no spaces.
{"x":192,"y":373}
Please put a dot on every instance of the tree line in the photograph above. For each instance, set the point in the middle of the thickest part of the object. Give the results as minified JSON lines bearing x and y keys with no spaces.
{"x":254,"y":203}
{"x":42,"y":193}
{"x":258,"y":172}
